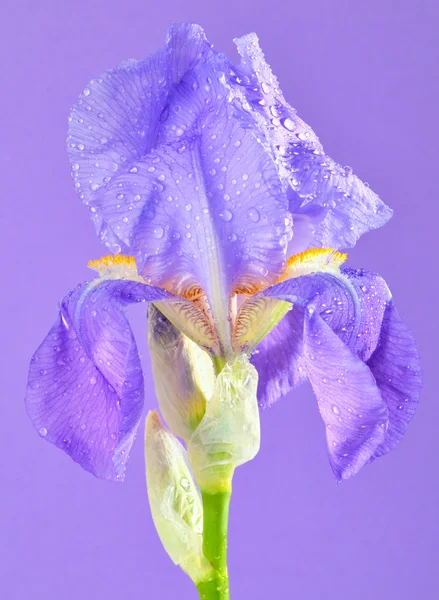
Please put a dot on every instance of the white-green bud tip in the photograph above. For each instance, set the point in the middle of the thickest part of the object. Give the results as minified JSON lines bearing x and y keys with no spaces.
{"x":174,"y":499}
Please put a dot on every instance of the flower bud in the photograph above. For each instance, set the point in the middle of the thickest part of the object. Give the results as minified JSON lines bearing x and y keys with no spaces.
{"x":174,"y":499}
{"x":183,"y":373}
{"x":229,"y":433}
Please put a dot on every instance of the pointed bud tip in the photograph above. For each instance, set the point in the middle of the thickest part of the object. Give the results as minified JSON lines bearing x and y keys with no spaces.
{"x":153,"y":422}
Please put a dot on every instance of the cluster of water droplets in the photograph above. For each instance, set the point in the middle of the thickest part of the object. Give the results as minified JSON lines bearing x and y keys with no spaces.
{"x":353,"y":208}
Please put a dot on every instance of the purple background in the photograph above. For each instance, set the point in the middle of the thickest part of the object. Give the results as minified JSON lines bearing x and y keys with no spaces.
{"x":364,"y":74}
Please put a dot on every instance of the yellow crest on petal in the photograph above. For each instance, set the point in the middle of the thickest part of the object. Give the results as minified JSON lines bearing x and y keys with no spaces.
{"x":117,"y":266}
{"x":259,"y":315}
{"x":315,"y":260}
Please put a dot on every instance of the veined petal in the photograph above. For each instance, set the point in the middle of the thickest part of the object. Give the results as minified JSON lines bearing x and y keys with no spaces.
{"x":85,"y":387}
{"x":395,"y":366}
{"x":349,"y":400}
{"x":356,"y":306}
{"x":260,"y":314}
{"x":115,"y":120}
{"x":279,"y":359}
{"x":351,"y":302}
{"x":205,"y":209}
{"x":349,"y":207}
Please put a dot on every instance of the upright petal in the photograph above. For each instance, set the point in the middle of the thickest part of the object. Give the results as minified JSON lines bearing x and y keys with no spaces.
{"x":205,"y":208}
{"x":395,"y":366}
{"x":85,"y":387}
{"x":349,"y":400}
{"x":115,"y":120}
{"x":348,"y":206}
{"x":186,"y":46}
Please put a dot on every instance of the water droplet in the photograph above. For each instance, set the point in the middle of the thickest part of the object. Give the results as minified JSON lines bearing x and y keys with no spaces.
{"x":185,"y":483}
{"x":253,"y":215}
{"x":244,"y":176}
{"x":86,"y":91}
{"x":159,"y":232}
{"x":288,"y":124}
{"x":226,"y":214}
{"x":75,"y":167}
{"x":335,"y":410}
{"x":43,"y":432}
{"x":93,"y":380}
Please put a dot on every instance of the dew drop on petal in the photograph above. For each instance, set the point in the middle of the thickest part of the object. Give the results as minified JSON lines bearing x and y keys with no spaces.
{"x":226,"y":214}
{"x":253,"y":214}
{"x":288,"y":124}
{"x":159,"y":232}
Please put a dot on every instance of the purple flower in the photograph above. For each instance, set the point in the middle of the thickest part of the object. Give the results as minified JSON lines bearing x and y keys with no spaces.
{"x":202,"y":171}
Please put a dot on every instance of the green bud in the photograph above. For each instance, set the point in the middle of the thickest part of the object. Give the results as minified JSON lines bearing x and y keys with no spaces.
{"x":183,"y":374}
{"x":229,"y":433}
{"x":174,"y":500}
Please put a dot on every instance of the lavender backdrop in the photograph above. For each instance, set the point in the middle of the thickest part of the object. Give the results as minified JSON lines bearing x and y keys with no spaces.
{"x":364,"y":74}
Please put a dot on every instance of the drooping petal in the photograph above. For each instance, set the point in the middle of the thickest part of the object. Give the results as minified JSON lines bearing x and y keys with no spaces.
{"x":279,"y":359}
{"x":115,"y":120}
{"x":85,"y":387}
{"x":259,"y":314}
{"x":395,"y":366}
{"x":349,"y":400}
{"x":349,"y":207}
{"x":357,"y":307}
{"x":205,"y":209}
{"x":351,"y":302}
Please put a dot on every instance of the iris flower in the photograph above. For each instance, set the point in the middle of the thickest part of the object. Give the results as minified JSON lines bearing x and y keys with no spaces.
{"x":221,"y":209}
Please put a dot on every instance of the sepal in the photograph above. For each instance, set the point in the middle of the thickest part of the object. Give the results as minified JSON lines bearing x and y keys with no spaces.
{"x":229,"y":433}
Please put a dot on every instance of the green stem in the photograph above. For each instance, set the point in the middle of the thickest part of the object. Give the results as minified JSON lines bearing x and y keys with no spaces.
{"x":216,"y":517}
